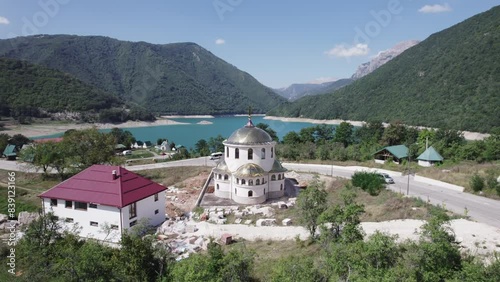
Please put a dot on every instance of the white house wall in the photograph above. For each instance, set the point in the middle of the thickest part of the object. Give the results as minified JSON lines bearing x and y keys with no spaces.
{"x":146,"y":209}
{"x":233,"y":163}
{"x":105,"y":216}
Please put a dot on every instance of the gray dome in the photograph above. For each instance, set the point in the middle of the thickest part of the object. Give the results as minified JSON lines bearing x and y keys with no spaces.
{"x":249,"y":134}
{"x":222,"y":166}
{"x":249,"y":170}
{"x":277,"y":167}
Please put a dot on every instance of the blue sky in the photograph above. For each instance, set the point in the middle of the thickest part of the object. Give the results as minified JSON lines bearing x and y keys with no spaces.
{"x":278,"y":42}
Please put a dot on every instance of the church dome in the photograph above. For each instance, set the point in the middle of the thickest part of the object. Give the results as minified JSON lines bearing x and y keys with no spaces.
{"x":249,"y":170}
{"x":249,"y":134}
{"x":222,"y":166}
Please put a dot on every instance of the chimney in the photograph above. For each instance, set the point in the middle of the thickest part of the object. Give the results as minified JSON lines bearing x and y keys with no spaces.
{"x":115,"y":176}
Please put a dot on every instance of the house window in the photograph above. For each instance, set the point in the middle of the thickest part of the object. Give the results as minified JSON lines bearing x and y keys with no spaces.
{"x":156,"y":197}
{"x":227,"y":152}
{"x":217,"y":186}
{"x":69,"y":219}
{"x":93,"y":223}
{"x":226,"y":177}
{"x":53,"y":202}
{"x":69,"y":204}
{"x":257,"y":182}
{"x":235,"y":191}
{"x":236,"y":153}
{"x":250,"y":154}
{"x":94,"y":206}
{"x":250,"y":182}
{"x":272,"y":153}
{"x":237,"y":181}
{"x":132,"y":209}
{"x":132,"y":223}
{"x":114,"y":226}
{"x":281,"y":186}
{"x":279,"y":176}
{"x":80,"y":206}
{"x":156,"y":211}
{"x":250,"y":193}
{"x":243,"y":182}
{"x":263,"y":153}
{"x":273,"y":177}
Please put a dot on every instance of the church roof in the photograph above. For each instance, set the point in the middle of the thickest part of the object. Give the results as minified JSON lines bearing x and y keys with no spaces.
{"x":222,"y":166}
{"x":249,"y":134}
{"x":249,"y":170}
{"x":277,"y":167}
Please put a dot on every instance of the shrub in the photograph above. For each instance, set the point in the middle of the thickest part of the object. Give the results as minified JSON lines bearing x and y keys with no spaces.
{"x":476,"y":183}
{"x":370,"y":182}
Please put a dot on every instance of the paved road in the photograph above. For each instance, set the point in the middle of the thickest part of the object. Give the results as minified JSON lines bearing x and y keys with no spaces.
{"x":478,"y":208}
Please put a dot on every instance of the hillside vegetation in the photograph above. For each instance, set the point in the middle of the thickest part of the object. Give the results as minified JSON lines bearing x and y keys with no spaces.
{"x":27,"y":89}
{"x":181,"y":78}
{"x":450,"y":80}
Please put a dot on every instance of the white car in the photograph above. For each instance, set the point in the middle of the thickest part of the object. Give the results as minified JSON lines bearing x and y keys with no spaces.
{"x":387,"y":178}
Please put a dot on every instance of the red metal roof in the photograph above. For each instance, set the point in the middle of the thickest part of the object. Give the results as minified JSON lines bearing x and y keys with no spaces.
{"x":44,"y":140}
{"x":96,"y":185}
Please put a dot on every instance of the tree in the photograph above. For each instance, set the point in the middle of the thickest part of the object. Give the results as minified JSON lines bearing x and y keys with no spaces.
{"x":341,"y":222}
{"x":370,"y":182}
{"x":394,"y":134}
{"x":269,"y":130}
{"x":343,"y":134}
{"x":291,"y":138}
{"x":215,"y":144}
{"x":89,"y":146}
{"x":19,"y":140}
{"x":202,"y":148}
{"x":4,"y":141}
{"x":124,"y":137}
{"x":311,"y":203}
{"x":295,"y":268}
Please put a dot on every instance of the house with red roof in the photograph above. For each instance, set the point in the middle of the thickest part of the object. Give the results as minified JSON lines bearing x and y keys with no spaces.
{"x":103,"y":201}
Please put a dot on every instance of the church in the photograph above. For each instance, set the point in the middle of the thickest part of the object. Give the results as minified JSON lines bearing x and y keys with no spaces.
{"x":249,"y":172}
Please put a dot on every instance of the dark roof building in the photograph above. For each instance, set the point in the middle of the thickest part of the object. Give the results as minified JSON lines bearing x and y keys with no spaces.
{"x":106,"y":185}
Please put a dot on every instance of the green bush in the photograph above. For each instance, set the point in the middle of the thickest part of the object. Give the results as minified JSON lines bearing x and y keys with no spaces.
{"x":370,"y":182}
{"x":476,"y":183}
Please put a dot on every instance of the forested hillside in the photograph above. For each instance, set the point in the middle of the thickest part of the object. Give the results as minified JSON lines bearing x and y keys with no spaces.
{"x":450,"y":80}
{"x":31,"y":90}
{"x":181,"y":78}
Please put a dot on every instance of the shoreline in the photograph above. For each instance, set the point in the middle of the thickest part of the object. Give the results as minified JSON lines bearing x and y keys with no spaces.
{"x":468,"y":135}
{"x":36,"y":130}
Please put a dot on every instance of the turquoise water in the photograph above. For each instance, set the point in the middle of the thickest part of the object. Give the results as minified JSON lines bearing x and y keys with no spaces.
{"x":189,"y":134}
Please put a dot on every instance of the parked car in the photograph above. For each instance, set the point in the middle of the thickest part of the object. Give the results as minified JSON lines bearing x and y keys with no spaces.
{"x":216,"y":156}
{"x":127,"y":152}
{"x":387,"y":178}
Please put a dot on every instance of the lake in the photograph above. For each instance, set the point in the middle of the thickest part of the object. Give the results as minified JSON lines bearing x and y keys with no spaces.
{"x":188,"y":134}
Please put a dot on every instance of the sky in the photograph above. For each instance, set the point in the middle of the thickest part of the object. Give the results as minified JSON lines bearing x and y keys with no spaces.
{"x":277,"y":42}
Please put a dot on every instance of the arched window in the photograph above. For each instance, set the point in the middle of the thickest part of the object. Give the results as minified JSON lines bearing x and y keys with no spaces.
{"x":235,"y":191}
{"x":217,"y":186}
{"x":243,"y":182}
{"x":263,"y":182}
{"x":237,"y":153}
{"x":250,"y":154}
{"x":250,"y":182}
{"x":220,"y":176}
{"x":264,"y":191}
{"x":281,"y":186}
{"x":283,"y":176}
{"x":227,"y":152}
{"x":273,"y":177}
{"x":257,"y":182}
{"x":263,"y":153}
{"x":237,"y":181}
{"x":279,"y":176}
{"x":226,"y":177}
{"x":250,"y":193}
{"x":272,"y":153}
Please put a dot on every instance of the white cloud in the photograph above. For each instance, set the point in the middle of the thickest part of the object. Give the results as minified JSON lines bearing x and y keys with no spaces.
{"x":220,"y":41}
{"x":346,"y":51}
{"x":4,"y":20}
{"x":435,"y":8}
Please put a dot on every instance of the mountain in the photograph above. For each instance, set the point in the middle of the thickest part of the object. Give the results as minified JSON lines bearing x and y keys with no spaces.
{"x":180,"y":78}
{"x":449,"y":80}
{"x":31,"y":90}
{"x":299,"y":90}
{"x":382,"y":58}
